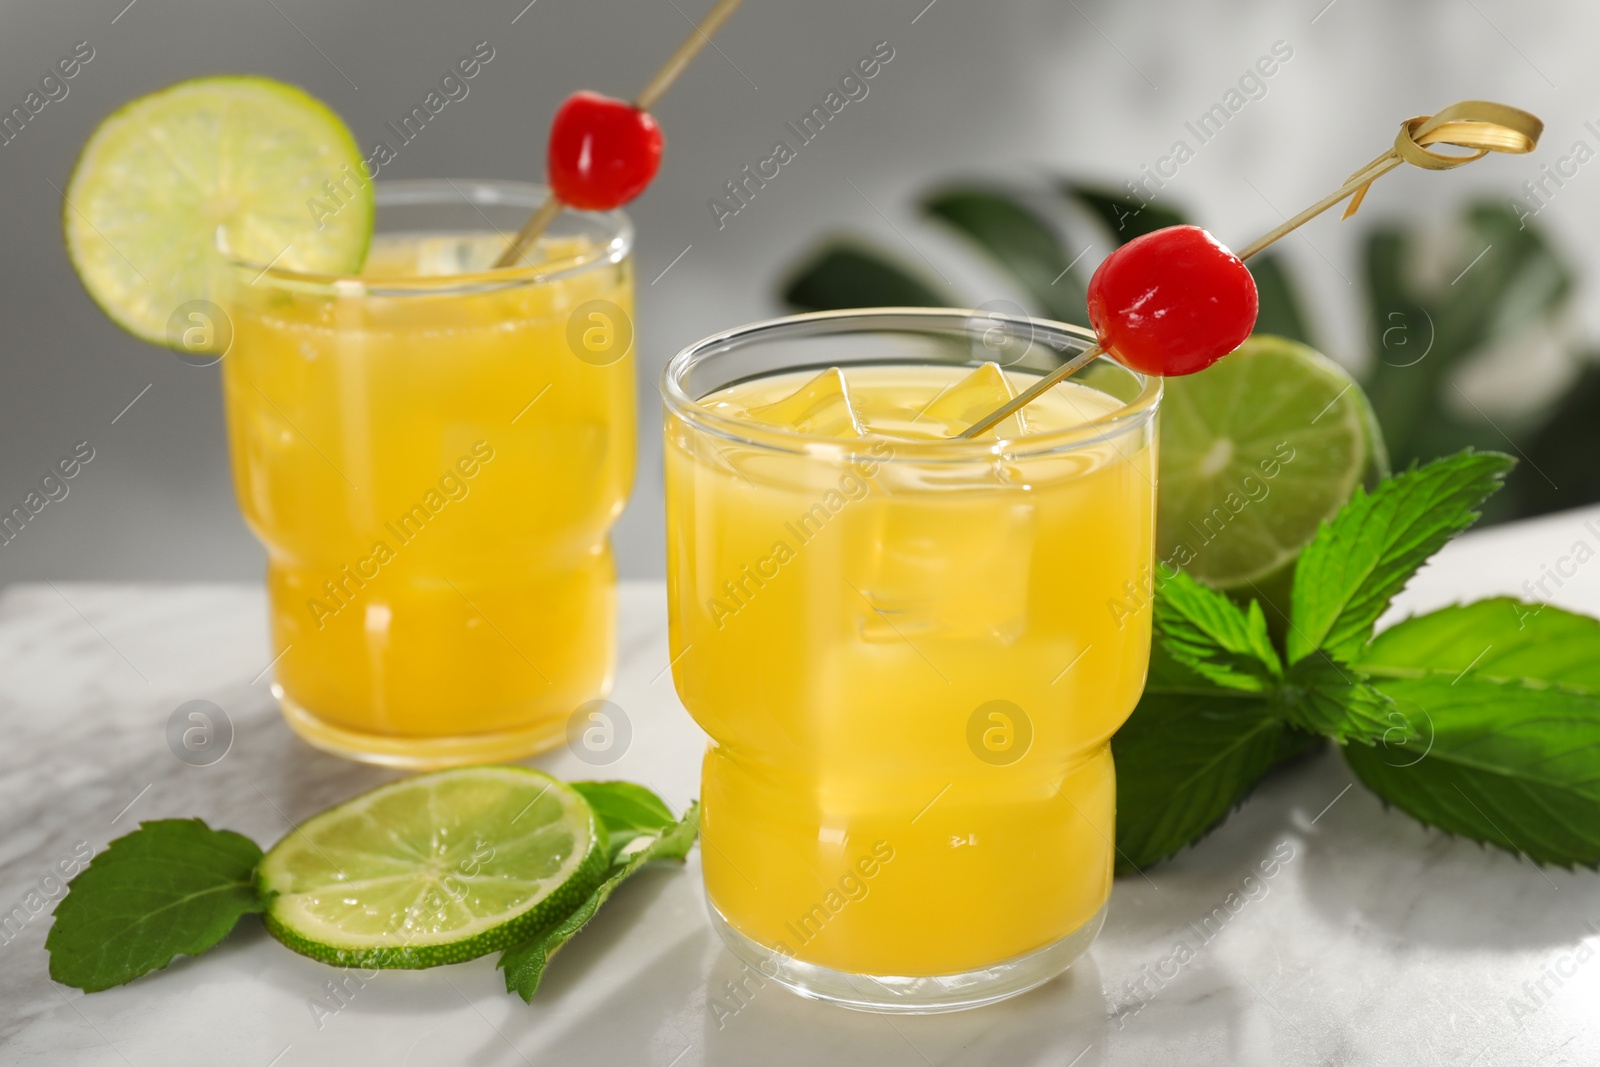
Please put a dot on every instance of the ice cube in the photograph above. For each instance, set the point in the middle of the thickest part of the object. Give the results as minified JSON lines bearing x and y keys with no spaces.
{"x":952,"y":569}
{"x":973,"y":397}
{"x":821,"y":406}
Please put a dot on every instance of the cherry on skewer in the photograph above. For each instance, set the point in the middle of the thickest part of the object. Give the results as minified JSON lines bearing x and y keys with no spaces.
{"x":603,"y":151}
{"x":1142,"y":306}
{"x":1172,"y":301}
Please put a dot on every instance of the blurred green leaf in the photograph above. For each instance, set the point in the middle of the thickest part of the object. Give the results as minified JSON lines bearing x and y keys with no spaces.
{"x":850,"y":275}
{"x":1509,"y":277}
{"x":1561,"y":471}
{"x":1402,"y":382}
{"x":1280,"y":307}
{"x":1019,"y":241}
{"x":1123,"y":217}
{"x":1504,"y":280}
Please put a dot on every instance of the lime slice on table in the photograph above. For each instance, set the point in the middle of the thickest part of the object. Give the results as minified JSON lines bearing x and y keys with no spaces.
{"x":1256,"y":452}
{"x":434,"y":869}
{"x":240,"y":158}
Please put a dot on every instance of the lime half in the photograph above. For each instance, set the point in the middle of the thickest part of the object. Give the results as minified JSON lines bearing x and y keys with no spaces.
{"x":434,"y":869}
{"x":1256,"y":452}
{"x":252,"y":162}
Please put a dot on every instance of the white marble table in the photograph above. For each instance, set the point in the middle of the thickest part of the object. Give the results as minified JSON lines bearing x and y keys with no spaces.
{"x":1378,"y":942}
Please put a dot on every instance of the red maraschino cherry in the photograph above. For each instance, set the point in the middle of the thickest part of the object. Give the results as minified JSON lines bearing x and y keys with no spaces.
{"x":603,"y":151}
{"x":1173,"y":301}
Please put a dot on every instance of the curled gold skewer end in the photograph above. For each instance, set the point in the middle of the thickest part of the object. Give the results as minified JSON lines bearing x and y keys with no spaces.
{"x":1479,"y":126}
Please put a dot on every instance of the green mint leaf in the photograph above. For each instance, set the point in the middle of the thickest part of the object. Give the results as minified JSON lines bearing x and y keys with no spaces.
{"x":524,"y":964}
{"x":1184,"y":759}
{"x":1499,"y":638}
{"x":173,"y":887}
{"x":1496,"y":761}
{"x":1366,"y":554}
{"x":1504,"y":700}
{"x":1323,"y":697}
{"x":626,"y":810}
{"x":1296,"y":743}
{"x":1204,"y":631}
{"x":1168,"y":674}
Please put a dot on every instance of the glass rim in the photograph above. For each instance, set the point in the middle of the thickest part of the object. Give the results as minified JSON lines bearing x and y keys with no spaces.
{"x":1129,"y":416}
{"x":474,"y":192}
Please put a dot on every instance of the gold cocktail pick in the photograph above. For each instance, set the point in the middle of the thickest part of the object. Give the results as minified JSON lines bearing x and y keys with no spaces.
{"x":1480,"y":126}
{"x":653,"y":90}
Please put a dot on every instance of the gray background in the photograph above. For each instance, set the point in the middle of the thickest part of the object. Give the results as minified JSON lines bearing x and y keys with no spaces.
{"x":1005,"y":89}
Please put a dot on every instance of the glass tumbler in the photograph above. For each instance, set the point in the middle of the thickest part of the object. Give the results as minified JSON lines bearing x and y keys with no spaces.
{"x":910,"y":653}
{"x":433,"y":453}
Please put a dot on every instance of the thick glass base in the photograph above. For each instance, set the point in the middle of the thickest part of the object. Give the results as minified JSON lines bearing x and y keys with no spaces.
{"x":901,"y":995}
{"x":421,"y":753}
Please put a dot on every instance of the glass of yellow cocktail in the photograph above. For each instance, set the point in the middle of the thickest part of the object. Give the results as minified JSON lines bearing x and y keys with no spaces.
{"x":433,"y":452}
{"x":905,"y":648}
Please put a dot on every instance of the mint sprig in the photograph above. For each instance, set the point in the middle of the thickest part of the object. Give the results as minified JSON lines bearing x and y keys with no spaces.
{"x":173,"y":887}
{"x":176,"y":887}
{"x":1221,"y":709}
{"x":647,"y":830}
{"x":1218,"y":711}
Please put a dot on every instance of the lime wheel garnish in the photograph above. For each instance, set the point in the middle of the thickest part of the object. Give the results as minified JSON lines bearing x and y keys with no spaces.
{"x":168,"y":181}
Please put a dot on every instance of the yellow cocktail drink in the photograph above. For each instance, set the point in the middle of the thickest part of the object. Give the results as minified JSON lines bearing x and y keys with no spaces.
{"x":433,"y":454}
{"x":904,"y":651}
